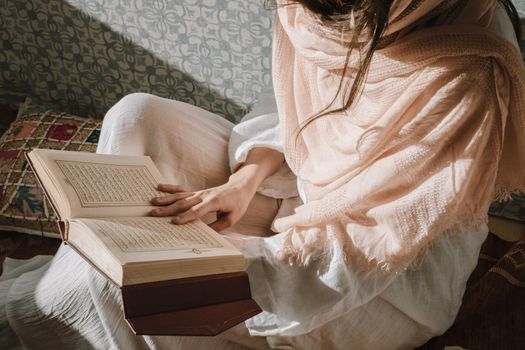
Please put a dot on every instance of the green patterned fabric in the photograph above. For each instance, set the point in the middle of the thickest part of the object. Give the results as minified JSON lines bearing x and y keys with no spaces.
{"x":81,"y":56}
{"x":513,"y":209}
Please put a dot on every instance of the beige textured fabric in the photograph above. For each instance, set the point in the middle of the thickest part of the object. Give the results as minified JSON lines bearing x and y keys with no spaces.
{"x":439,"y":125}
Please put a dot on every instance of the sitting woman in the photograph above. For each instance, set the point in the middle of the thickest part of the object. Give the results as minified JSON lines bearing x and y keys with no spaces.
{"x":359,"y":196}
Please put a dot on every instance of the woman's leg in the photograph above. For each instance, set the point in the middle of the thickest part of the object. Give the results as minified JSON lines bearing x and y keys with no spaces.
{"x":188,"y":144}
{"x":52,"y":307}
{"x":190,"y":147}
{"x":70,"y":305}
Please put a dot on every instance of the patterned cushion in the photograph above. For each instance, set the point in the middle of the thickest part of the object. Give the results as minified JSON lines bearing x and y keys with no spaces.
{"x":23,"y":207}
{"x":513,"y":209}
{"x":82,"y":56}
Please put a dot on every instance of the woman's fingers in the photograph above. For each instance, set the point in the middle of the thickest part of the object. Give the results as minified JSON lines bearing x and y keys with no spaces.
{"x":170,"y":188}
{"x":284,"y":223}
{"x":170,"y":198}
{"x":179,"y":206}
{"x":196,"y":211}
{"x":223,"y":222}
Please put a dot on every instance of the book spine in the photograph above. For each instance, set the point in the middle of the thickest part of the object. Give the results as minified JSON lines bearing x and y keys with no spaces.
{"x":63,"y":227}
{"x":186,"y":293}
{"x":201,"y":321}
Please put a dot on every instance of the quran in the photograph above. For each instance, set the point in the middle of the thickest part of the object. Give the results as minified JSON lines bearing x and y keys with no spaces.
{"x":165,"y":271}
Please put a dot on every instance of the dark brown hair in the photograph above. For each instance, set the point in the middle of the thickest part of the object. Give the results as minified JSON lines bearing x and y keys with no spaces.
{"x":372,"y":18}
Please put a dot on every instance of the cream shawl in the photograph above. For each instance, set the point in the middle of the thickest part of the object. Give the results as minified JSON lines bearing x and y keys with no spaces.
{"x":438,"y":132}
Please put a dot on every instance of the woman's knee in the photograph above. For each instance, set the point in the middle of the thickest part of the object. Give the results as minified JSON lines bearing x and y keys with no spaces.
{"x":132,"y":107}
{"x":125,"y":120}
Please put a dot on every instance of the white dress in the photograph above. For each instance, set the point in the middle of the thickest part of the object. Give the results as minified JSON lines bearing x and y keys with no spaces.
{"x":63,"y":303}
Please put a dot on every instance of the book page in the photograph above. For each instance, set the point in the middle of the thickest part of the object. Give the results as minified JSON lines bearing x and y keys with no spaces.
{"x":87,"y":185}
{"x":141,"y":250}
{"x":152,"y":234}
{"x":106,"y":185}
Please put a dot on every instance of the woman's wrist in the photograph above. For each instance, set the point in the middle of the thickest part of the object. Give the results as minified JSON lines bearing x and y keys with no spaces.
{"x":247,"y":177}
{"x":260,"y":164}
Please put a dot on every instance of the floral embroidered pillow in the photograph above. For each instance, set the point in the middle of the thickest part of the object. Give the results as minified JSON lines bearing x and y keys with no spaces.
{"x":23,"y":206}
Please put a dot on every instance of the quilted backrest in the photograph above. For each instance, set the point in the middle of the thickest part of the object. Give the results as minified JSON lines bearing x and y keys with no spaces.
{"x":84,"y":55}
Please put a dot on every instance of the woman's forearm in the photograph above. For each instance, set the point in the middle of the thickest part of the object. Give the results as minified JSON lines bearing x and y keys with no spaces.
{"x":260,"y":164}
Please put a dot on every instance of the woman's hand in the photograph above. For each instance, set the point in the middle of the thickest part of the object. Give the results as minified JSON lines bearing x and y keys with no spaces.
{"x":230,"y":201}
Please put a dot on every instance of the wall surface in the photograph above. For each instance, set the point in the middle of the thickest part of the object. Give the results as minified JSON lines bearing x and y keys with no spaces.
{"x":520,"y":5}
{"x":83,"y":55}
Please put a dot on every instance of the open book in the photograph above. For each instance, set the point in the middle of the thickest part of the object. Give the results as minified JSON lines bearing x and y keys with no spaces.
{"x":104,"y":201}
{"x":174,"y":279}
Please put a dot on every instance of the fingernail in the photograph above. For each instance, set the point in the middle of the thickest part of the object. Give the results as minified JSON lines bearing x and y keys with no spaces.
{"x":176,"y":219}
